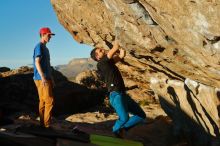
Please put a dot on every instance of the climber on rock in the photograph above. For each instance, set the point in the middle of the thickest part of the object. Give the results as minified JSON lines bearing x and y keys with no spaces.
{"x":119,"y":100}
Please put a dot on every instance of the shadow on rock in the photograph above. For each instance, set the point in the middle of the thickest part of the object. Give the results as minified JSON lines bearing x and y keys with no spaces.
{"x":19,"y":94}
{"x":184,"y":127}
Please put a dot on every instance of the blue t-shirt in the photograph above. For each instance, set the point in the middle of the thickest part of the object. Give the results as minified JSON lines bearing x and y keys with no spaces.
{"x":44,"y":55}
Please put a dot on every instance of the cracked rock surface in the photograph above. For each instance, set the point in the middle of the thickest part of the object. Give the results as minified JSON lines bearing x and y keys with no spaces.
{"x":173,"y":50}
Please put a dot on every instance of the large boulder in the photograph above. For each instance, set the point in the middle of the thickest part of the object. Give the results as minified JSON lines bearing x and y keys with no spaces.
{"x":19,"y":93}
{"x":176,"y":40}
{"x":4,"y":69}
{"x":90,"y":78}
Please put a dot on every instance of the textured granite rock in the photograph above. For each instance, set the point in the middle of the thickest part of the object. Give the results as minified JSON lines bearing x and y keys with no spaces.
{"x":167,"y":40}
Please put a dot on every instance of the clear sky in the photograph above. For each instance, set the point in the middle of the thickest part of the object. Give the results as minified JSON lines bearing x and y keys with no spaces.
{"x":19,"y":27}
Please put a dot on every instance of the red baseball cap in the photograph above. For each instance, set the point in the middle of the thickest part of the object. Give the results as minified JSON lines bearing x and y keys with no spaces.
{"x":45,"y":30}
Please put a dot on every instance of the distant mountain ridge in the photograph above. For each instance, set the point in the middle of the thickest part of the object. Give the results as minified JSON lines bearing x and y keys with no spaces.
{"x":76,"y":66}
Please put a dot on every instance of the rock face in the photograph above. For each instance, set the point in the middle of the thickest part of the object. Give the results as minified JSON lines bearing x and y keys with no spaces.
{"x":17,"y":90}
{"x":167,"y":40}
{"x":90,"y":78}
{"x":192,"y":107}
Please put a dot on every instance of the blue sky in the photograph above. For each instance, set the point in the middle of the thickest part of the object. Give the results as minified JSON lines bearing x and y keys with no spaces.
{"x":19,"y":27}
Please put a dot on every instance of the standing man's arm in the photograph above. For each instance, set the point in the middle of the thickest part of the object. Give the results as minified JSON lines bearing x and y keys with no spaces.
{"x":40,"y":71}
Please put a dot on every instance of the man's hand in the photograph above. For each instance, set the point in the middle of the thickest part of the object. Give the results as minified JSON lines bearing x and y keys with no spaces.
{"x":119,"y":57}
{"x":44,"y":81}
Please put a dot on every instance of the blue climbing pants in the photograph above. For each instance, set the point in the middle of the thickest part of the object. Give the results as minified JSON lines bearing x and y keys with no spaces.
{"x":123,"y":105}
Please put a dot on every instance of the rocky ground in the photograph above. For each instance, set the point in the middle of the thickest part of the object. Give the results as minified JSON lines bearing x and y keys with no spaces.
{"x":18,"y":101}
{"x":156,"y":131}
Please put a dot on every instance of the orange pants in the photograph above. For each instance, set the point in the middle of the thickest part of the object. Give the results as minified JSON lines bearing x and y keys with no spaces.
{"x":46,"y":102}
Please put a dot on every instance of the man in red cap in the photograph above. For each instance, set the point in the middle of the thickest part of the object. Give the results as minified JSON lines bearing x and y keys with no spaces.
{"x":43,"y":77}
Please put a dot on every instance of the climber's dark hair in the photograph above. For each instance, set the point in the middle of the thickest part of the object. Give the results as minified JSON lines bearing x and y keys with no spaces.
{"x":93,"y":54}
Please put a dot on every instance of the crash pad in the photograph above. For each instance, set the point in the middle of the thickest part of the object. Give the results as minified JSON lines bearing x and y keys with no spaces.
{"x":112,"y":141}
{"x":67,"y":142}
{"x":64,"y":138}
